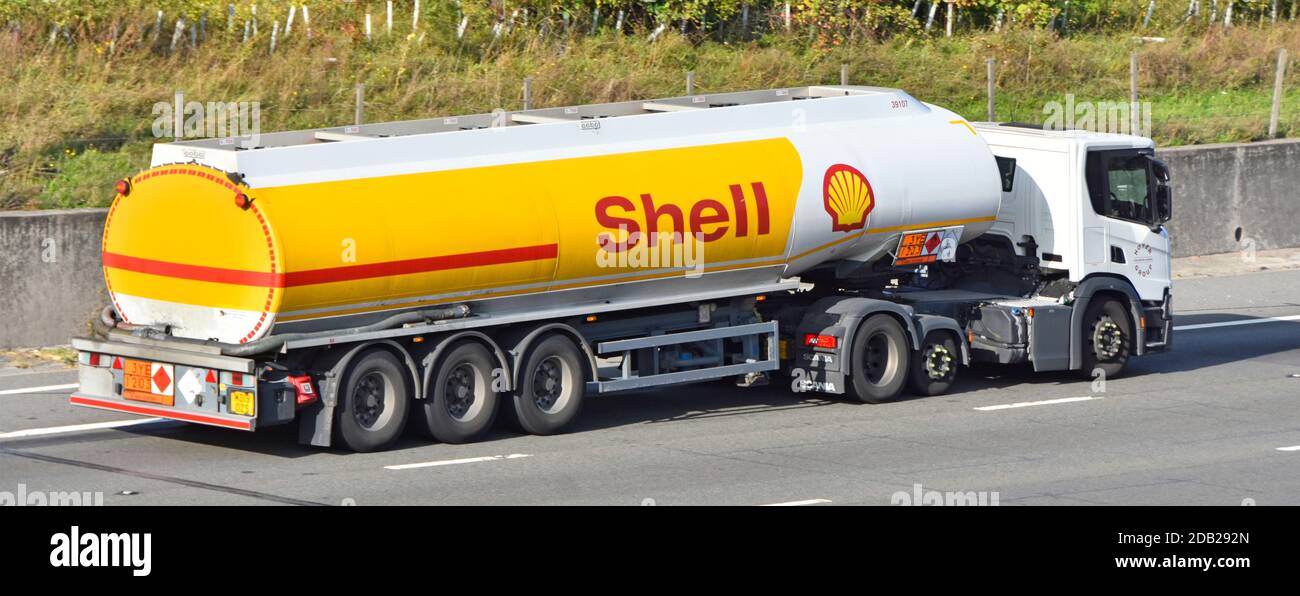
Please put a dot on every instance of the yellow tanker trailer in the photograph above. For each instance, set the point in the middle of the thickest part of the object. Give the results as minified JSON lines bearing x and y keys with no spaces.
{"x":350,"y":278}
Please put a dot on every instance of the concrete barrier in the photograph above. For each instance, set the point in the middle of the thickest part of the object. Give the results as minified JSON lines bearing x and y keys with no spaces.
{"x":51,"y":283}
{"x":1233,"y":196}
{"x":1226,"y":198}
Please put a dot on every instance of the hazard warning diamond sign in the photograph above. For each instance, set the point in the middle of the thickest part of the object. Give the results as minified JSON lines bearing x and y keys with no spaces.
{"x":162,"y":380}
{"x":148,"y":382}
{"x":927,"y":246}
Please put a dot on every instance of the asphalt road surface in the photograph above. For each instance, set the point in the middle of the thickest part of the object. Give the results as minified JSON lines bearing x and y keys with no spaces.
{"x":1216,"y":421}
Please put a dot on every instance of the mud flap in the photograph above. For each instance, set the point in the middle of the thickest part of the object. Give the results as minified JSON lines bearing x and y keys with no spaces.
{"x":316,"y":421}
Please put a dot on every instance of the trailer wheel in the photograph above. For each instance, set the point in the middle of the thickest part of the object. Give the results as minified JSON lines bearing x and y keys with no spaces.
{"x":934,"y":366}
{"x":880,"y":360}
{"x":1107,"y":338}
{"x":460,"y":403}
{"x":551,"y":386}
{"x":374,"y":402}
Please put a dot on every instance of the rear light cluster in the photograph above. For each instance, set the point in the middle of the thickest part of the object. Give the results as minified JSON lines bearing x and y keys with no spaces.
{"x":98,"y":360}
{"x":813,"y":340}
{"x":303,"y":389}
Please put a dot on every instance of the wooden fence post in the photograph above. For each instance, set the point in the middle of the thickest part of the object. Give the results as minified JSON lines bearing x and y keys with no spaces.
{"x":361,"y":104}
{"x":992,"y":111}
{"x":1277,"y":94}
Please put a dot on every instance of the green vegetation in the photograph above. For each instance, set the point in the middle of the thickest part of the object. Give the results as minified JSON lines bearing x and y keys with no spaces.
{"x":30,"y":358}
{"x":76,"y":109}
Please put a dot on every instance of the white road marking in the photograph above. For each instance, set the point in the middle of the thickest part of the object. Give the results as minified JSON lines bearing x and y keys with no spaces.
{"x":798,"y":503}
{"x":1291,"y":448}
{"x":35,"y":432}
{"x":1232,"y":323}
{"x":453,"y":462}
{"x":39,"y":389}
{"x":1026,"y":404}
{"x":9,"y":374}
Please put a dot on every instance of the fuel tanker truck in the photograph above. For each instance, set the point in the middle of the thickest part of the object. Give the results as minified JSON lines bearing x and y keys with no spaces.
{"x":839,"y":239}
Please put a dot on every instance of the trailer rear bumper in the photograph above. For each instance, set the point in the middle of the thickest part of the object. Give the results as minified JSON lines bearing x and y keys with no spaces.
{"x":119,"y":405}
{"x":175,"y":384}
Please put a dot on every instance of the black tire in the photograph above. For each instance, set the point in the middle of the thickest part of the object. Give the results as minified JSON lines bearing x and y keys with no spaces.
{"x":374,"y":402}
{"x":880,"y":360}
{"x":460,"y":404}
{"x":552,"y":382}
{"x":1107,"y":337}
{"x":934,"y":366}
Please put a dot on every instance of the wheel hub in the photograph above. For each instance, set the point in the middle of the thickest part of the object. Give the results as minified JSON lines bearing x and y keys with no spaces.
{"x":938,"y":362}
{"x":1108,"y":340}
{"x":460,"y":390}
{"x":876,"y":357}
{"x":548,"y":384}
{"x":369,"y":399}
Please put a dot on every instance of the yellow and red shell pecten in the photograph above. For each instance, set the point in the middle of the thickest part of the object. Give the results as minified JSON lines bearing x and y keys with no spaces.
{"x":848,"y":197}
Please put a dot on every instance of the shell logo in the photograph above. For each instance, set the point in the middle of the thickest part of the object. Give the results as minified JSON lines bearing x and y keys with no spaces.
{"x":848,"y":197}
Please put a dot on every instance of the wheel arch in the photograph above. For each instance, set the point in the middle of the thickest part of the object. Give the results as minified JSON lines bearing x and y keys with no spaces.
{"x":316,"y":422}
{"x":444,"y":344}
{"x":927,"y":324}
{"x":1097,"y":287}
{"x":853,"y":312}
{"x":523,"y":339}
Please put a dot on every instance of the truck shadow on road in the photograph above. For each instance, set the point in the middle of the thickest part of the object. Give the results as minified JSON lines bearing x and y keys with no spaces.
{"x":1193,"y":350}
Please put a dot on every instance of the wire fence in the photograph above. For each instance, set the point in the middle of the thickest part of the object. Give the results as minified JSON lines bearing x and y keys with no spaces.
{"x":174,"y":25}
{"x":182,"y":32}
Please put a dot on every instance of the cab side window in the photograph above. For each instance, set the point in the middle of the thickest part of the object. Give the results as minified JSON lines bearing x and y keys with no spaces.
{"x":1129,"y":196}
{"x":1119,"y":184}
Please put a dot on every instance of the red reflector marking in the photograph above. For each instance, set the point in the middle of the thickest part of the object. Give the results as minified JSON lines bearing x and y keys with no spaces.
{"x":212,"y":377}
{"x":117,"y":363}
{"x":820,"y":341}
{"x":159,"y":412}
{"x":336,"y":274}
{"x":195,"y":272}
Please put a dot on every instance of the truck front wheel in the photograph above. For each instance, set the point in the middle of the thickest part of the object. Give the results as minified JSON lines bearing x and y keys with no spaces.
{"x":1107,"y":337}
{"x":551,"y":386}
{"x":880,"y":360}
{"x":374,"y":402}
{"x":461,"y":403}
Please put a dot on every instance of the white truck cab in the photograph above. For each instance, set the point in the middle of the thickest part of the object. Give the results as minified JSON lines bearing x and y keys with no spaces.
{"x":1093,"y":203}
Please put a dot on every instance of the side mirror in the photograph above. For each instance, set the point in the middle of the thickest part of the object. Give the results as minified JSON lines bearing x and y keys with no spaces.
{"x":1161,"y":171}
{"x":1164,"y":204}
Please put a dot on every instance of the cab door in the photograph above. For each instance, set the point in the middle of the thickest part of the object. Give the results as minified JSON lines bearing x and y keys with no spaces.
{"x":1129,"y":193}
